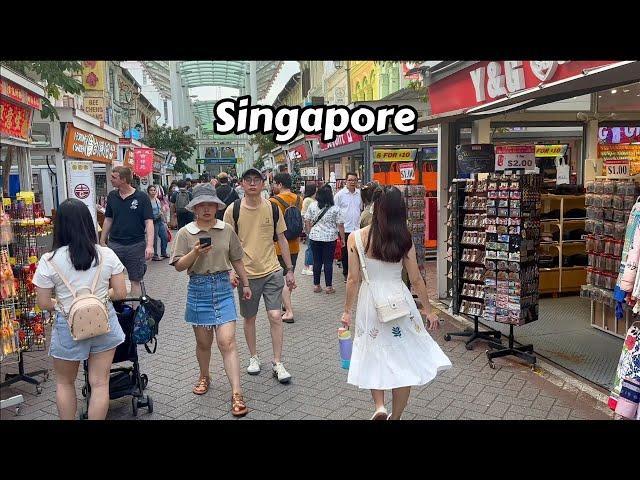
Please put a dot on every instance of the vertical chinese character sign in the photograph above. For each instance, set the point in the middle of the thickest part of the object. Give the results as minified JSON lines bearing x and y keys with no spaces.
{"x":93,"y":73}
{"x":143,"y":161}
{"x":81,"y":184}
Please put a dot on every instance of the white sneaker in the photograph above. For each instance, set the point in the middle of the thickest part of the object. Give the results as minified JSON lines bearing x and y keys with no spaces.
{"x":307,"y":271}
{"x":254,"y":365}
{"x":280,"y":372}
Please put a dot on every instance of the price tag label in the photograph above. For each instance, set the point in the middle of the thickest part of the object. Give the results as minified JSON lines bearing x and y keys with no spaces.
{"x":617,"y":168}
{"x":406,"y":171}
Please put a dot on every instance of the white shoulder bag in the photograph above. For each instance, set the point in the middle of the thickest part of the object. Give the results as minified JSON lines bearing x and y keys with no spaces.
{"x":390,"y":305}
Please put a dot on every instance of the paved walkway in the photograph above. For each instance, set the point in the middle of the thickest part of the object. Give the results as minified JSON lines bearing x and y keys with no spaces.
{"x":318,"y":391}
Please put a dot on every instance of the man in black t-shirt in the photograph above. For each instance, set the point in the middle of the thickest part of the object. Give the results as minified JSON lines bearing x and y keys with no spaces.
{"x":128,"y":226}
{"x":225,"y":192}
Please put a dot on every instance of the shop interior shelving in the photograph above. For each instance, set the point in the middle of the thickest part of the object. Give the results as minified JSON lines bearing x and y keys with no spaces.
{"x":562,"y":279}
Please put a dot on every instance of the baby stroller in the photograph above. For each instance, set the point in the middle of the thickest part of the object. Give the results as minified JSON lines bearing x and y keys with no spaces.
{"x":124,"y":381}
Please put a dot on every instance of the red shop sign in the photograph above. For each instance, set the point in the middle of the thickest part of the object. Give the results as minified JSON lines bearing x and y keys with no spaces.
{"x":298,"y":153}
{"x":14,"y":120}
{"x":485,"y":82}
{"x":19,"y":94}
{"x":343,"y":139}
{"x":143,"y":161}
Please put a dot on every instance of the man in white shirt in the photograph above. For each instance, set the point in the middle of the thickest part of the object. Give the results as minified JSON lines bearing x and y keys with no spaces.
{"x":350,"y":203}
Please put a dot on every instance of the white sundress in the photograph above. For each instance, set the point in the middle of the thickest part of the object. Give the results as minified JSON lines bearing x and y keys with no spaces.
{"x":399,"y":353}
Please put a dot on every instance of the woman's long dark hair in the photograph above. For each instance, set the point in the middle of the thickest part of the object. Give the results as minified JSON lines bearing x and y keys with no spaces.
{"x":324,"y":196}
{"x":389,"y":238}
{"x":310,"y":190}
{"x":74,"y":227}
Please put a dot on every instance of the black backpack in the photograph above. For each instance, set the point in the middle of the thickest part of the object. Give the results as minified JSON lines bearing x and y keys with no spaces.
{"x":275,"y":211}
{"x":183,"y":198}
{"x":292,"y":217}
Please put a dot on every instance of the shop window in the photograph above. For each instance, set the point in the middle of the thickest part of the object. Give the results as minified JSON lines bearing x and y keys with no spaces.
{"x":620,"y":99}
{"x":41,"y":134}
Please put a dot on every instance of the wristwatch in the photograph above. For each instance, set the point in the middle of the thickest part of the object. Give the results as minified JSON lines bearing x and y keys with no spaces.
{"x":289,"y":269}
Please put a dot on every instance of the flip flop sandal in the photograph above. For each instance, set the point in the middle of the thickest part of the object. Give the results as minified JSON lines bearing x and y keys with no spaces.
{"x":238,"y":405}
{"x":330,"y":290}
{"x":317,"y":289}
{"x":202,"y":386}
{"x":380,"y":414}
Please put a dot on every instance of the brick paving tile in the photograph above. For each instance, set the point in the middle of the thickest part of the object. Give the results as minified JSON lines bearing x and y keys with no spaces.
{"x":318,"y":390}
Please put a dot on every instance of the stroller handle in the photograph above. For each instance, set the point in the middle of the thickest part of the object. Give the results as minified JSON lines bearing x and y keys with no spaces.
{"x":143,"y":298}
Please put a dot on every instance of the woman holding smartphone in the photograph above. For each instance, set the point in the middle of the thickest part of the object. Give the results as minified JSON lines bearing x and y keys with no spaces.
{"x":208,"y":248}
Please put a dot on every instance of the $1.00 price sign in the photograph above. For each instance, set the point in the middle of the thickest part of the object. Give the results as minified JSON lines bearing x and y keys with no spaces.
{"x":406,"y":171}
{"x":616,"y":168}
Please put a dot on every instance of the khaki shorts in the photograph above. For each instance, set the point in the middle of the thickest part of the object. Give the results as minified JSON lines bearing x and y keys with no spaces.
{"x":269,"y":288}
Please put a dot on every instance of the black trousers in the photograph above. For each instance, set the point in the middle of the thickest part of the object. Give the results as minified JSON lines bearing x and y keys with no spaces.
{"x":345,"y":255}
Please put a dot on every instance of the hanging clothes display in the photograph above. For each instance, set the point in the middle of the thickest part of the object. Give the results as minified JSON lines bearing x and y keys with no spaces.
{"x":627,"y":275}
{"x":625,"y":383}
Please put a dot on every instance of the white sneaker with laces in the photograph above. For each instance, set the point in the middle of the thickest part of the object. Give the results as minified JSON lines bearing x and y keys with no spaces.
{"x":280,"y":372}
{"x":254,"y":365}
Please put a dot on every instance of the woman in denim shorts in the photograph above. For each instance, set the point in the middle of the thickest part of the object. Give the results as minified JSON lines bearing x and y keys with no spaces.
{"x":208,"y":248}
{"x":76,"y":255}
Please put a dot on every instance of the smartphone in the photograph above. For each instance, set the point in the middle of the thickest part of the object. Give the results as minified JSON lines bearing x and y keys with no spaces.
{"x":205,"y":241}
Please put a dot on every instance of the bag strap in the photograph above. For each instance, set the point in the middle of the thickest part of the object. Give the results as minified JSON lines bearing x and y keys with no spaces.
{"x":298,"y":202}
{"x":275,"y":212}
{"x":325,"y":210}
{"x":236,"y":214}
{"x":281,"y":201}
{"x":360,"y":248}
{"x":66,"y":282}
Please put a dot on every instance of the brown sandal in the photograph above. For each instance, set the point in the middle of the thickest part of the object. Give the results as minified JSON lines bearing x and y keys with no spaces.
{"x":317,"y":289}
{"x":202,"y":386}
{"x":238,"y":406}
{"x":330,"y":290}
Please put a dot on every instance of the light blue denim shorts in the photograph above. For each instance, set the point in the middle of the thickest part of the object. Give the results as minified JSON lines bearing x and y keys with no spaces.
{"x":64,"y":347}
{"x":210,"y":300}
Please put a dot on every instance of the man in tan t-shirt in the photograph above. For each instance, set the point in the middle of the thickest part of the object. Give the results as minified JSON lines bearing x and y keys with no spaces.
{"x":255,"y":228}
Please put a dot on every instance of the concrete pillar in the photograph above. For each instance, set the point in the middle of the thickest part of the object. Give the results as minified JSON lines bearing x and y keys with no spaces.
{"x":61,"y":175}
{"x":481,"y":131}
{"x":24,"y":168}
{"x":176,"y":97}
{"x":592,"y":166}
{"x":443,"y":197}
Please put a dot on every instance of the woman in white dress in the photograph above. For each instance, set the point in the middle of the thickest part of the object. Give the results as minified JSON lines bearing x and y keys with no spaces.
{"x":398,"y":354}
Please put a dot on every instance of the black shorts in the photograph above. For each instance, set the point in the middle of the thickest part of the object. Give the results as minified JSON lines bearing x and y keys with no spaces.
{"x":132,"y":257}
{"x":294,"y":259}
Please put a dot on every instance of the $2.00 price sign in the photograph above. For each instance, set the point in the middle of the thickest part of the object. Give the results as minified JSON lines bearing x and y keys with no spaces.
{"x":406,"y":171}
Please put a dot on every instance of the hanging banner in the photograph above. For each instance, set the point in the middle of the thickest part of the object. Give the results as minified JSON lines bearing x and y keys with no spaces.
{"x":81,"y":184}
{"x":618,"y":135}
{"x":395,"y":154}
{"x":143,"y":161}
{"x":343,"y":139}
{"x":515,"y":157}
{"x":407,"y":171}
{"x":93,"y":73}
{"x":129,"y":160}
{"x":14,"y":120}
{"x":629,"y":152}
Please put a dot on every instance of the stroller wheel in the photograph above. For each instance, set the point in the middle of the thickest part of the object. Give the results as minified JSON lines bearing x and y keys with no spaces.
{"x":134,"y":404}
{"x":145,"y":380}
{"x":150,"y":404}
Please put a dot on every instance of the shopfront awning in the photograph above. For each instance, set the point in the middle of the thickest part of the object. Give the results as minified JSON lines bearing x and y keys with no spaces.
{"x":586,"y":81}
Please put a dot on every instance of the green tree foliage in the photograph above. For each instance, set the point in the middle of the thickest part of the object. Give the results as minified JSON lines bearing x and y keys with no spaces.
{"x":55,"y":77}
{"x":264,"y":143}
{"x":258,"y":163}
{"x":177,"y":140}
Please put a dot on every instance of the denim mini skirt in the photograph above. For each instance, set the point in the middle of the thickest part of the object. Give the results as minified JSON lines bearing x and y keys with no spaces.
{"x":210,"y":300}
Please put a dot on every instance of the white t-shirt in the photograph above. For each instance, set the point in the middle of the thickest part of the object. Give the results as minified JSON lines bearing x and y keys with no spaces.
{"x":47,"y":277}
{"x":326,"y":230}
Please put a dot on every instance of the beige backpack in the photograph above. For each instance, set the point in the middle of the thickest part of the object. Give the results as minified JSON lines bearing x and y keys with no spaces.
{"x":88,"y":316}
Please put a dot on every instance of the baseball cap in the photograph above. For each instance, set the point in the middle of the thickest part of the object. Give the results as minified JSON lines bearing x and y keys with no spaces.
{"x":253,"y":171}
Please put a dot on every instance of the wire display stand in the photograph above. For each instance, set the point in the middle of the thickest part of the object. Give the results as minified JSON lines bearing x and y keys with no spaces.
{"x":23,"y":323}
{"x":467,"y":257}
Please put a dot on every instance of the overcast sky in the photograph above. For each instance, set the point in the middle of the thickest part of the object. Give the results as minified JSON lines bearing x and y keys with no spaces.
{"x":216,"y":93}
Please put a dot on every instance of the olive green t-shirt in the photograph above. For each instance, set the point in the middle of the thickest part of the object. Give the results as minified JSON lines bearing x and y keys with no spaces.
{"x":255,"y":229}
{"x":225,"y":243}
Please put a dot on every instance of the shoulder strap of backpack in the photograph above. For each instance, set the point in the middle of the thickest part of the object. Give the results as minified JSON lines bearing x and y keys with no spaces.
{"x":281,"y":202}
{"x":62,"y":277}
{"x":97,"y":277}
{"x":236,"y":214}
{"x":275,"y":211}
